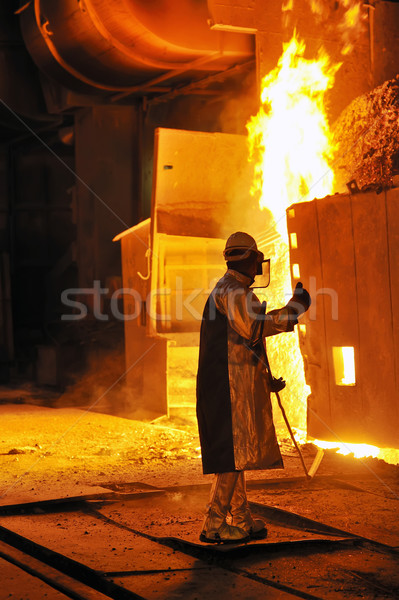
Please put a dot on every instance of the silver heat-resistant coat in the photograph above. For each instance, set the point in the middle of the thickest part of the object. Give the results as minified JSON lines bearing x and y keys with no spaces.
{"x":233,"y":386}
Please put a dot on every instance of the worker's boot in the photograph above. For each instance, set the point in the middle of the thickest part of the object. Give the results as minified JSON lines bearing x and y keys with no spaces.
{"x":240,"y":513}
{"x":215,"y":529}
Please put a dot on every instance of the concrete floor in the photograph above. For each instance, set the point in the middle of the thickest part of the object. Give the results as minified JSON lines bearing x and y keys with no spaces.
{"x":115,"y":509}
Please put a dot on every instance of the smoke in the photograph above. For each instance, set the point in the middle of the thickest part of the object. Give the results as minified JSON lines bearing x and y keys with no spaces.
{"x":96,"y":381}
{"x":242,"y":101}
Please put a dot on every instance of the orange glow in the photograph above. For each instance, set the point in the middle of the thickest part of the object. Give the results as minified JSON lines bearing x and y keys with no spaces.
{"x":351,"y":15}
{"x":352,"y":23}
{"x":344,"y":365}
{"x":291,"y":146}
{"x":389,"y":455}
{"x":290,"y":143}
{"x":358,"y":450}
{"x":289,"y":138}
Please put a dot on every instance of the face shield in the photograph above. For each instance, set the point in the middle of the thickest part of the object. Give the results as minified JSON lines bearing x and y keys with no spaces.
{"x":259,"y":262}
{"x":262,"y":278}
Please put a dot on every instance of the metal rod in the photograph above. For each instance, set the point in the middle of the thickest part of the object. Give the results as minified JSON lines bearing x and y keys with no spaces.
{"x":292,"y":435}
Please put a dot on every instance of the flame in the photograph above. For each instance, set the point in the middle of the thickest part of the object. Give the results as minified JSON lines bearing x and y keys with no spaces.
{"x":290,"y":143}
{"x":348,"y":16}
{"x":352,"y":23}
{"x":389,"y":455}
{"x":358,"y":450}
{"x":290,"y":137}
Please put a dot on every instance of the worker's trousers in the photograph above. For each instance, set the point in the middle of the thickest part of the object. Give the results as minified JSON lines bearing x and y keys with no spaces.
{"x":228,"y":496}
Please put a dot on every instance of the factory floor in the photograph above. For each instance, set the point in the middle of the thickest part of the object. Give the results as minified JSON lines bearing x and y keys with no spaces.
{"x":95,"y":506}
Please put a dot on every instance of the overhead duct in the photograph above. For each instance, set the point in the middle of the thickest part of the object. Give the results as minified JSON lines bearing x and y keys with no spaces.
{"x":117,"y":44}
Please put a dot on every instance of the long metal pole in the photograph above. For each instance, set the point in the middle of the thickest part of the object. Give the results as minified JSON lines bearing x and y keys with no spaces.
{"x":292,"y":435}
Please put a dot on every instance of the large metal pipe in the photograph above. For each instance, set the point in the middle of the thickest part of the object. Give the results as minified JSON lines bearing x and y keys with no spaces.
{"x":116,"y":44}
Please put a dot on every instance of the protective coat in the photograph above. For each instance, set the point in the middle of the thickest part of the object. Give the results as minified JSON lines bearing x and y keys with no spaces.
{"x":234,"y":409}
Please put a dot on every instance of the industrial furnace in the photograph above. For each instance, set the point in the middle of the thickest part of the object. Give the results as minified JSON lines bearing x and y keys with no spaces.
{"x":345,"y":250}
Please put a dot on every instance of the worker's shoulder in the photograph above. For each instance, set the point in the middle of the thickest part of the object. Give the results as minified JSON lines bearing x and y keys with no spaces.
{"x":229,"y":282}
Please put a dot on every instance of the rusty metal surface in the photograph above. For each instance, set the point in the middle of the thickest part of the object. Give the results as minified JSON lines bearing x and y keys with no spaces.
{"x":340,"y":315}
{"x":347,"y":255}
{"x":393,"y":240}
{"x":375,"y":314}
{"x":312,"y":340}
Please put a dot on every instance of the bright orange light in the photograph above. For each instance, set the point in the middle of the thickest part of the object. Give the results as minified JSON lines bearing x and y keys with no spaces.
{"x":344,"y":365}
{"x":352,"y":23}
{"x":289,"y":137}
{"x":389,"y":455}
{"x":290,"y":143}
{"x":351,"y":16}
{"x":358,"y":450}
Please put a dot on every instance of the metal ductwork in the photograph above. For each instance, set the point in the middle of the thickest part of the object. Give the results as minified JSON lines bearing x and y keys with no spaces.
{"x":115,"y":45}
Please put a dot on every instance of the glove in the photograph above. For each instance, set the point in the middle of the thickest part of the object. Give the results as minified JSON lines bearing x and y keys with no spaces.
{"x":276,"y":385}
{"x":300,"y":300}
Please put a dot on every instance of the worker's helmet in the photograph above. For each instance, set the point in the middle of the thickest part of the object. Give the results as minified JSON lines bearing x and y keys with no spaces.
{"x":239,"y":246}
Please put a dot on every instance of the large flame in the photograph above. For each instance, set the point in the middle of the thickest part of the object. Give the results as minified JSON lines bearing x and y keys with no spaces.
{"x":290,"y":142}
{"x":289,"y":137}
{"x":291,"y":145}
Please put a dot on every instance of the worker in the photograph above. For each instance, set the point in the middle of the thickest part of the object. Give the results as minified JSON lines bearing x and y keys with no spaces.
{"x":234,"y":382}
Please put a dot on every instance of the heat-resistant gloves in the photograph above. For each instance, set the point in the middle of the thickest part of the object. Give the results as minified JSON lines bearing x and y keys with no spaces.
{"x":300,"y":300}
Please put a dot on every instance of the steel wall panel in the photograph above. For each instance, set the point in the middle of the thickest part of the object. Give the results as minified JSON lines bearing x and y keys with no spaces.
{"x":340,"y":302}
{"x":374,"y":311}
{"x":392,"y":198}
{"x":145,"y":356}
{"x":356,"y":254}
{"x":302,"y":220}
{"x":201,"y":183}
